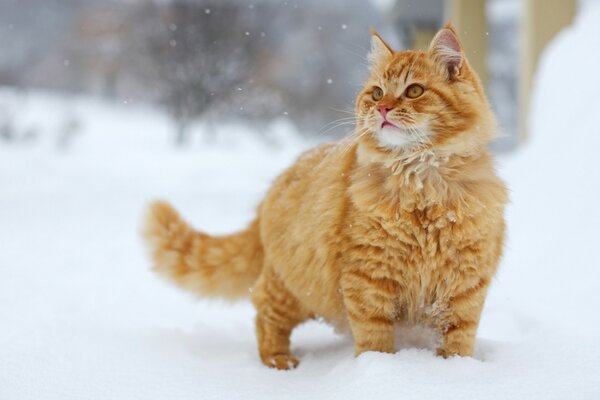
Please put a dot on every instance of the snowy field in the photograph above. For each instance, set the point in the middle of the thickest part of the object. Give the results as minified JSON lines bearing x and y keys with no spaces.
{"x":82,"y":317}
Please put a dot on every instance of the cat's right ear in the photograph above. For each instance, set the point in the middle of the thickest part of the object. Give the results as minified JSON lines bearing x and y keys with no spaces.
{"x":380,"y":50}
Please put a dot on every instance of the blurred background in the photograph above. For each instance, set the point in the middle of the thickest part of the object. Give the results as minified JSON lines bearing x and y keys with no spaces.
{"x":252,"y":62}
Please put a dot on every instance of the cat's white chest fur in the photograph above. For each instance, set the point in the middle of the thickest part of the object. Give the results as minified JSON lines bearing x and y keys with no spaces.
{"x":394,"y":138}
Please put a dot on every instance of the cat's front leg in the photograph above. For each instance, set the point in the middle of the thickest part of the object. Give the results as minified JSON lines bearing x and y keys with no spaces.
{"x":369,"y":306}
{"x":458,"y":323}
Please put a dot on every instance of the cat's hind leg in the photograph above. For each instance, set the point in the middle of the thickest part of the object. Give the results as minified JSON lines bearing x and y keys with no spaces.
{"x":277,"y":313}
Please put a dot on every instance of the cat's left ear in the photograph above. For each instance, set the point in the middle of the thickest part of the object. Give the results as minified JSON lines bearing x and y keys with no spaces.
{"x":380,"y":50}
{"x":447,"y":51}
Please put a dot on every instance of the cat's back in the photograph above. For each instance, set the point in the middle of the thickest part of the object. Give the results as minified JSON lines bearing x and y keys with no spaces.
{"x":314,"y":172}
{"x":305,"y":165}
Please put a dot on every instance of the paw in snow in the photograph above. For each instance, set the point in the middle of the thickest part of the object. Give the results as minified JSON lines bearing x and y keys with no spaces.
{"x":281,"y":361}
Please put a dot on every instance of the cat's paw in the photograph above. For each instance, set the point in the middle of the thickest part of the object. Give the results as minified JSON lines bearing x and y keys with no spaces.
{"x":460,"y":352}
{"x":281,"y":361}
{"x":444,"y":353}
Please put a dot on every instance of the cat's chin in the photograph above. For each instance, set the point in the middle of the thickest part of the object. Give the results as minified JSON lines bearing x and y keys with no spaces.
{"x":395,"y":138}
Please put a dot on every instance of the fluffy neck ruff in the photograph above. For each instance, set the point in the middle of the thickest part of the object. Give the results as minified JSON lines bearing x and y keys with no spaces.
{"x":457,"y":184}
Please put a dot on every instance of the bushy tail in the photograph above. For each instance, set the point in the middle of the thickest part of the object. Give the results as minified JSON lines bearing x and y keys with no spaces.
{"x":209,"y":266}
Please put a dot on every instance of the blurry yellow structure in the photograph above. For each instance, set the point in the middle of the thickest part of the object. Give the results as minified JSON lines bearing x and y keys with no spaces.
{"x":469,"y":18}
{"x":541,"y":21}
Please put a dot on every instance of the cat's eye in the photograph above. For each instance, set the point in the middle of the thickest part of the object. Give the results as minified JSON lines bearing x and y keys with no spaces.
{"x":414,"y":91}
{"x":377,"y":93}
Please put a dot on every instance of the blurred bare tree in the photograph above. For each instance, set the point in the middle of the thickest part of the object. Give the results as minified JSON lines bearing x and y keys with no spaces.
{"x":194,"y":64}
{"x":219,"y":59}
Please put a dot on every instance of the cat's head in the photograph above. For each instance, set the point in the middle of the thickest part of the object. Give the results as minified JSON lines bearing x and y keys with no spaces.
{"x":423,"y":99}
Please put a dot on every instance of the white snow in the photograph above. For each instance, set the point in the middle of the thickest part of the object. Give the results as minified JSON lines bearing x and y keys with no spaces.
{"x":82,"y":317}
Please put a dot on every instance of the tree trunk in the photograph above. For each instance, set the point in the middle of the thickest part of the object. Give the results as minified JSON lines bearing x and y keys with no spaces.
{"x":182,"y":132}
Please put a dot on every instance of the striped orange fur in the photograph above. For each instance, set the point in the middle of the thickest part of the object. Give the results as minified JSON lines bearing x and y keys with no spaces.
{"x":401,"y":222}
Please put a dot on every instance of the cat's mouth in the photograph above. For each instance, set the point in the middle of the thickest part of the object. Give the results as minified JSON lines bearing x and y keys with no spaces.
{"x":387,"y":123}
{"x":395,"y":134}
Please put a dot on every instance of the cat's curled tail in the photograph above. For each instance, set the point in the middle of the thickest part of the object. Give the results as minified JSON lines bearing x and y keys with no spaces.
{"x":209,"y":266}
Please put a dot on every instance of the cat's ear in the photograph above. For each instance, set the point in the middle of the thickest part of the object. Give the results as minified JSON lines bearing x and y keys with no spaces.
{"x":447,"y":52}
{"x":380,"y":50}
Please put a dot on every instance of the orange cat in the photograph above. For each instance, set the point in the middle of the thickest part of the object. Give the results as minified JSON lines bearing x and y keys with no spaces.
{"x":403,"y":221}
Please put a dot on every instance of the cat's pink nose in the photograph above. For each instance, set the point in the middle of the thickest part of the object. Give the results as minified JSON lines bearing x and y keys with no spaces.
{"x":384,"y":110}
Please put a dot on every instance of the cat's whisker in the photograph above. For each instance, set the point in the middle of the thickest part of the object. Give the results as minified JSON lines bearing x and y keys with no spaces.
{"x":353,"y":120}
{"x":353,"y":140}
{"x":338,"y":120}
{"x":363,"y":59}
{"x":336,"y":124}
{"x":342,"y":111}
{"x":425,"y":137}
{"x":422,"y":137}
{"x":349,"y":123}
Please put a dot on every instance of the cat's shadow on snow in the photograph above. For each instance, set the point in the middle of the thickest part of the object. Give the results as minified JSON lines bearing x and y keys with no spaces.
{"x":326,"y":341}
{"x":313,"y":341}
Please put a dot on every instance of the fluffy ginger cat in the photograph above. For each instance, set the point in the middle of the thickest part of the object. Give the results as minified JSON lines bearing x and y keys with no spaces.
{"x":400,"y":222}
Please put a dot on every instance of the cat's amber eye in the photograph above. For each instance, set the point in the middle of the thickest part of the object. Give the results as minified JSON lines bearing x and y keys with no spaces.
{"x":377,"y":93}
{"x":414,"y":91}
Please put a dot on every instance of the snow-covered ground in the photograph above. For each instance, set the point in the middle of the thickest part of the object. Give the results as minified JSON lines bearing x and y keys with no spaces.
{"x":82,"y":317}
